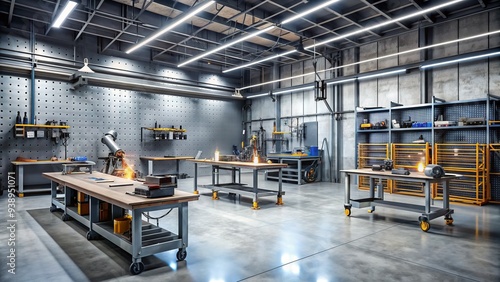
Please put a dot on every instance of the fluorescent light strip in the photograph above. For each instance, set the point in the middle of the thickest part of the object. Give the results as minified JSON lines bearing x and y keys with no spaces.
{"x":384,"y":23}
{"x":70,"y":5}
{"x":258,"y":95}
{"x":341,"y":81}
{"x":226,"y":45}
{"x":309,"y":11}
{"x":460,"y":60}
{"x":381,"y":74}
{"x":378,"y":58}
{"x":262,"y":60}
{"x":176,"y":22}
{"x":294,"y":90}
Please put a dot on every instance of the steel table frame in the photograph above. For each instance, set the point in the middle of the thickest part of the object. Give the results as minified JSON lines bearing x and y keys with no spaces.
{"x":236,"y":187}
{"x":120,"y":201}
{"x":153,"y":159}
{"x":428,"y":212}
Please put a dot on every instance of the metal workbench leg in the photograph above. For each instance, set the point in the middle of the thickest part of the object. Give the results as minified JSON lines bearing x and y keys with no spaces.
{"x":137,"y":266}
{"x":299,"y":172}
{"x":183,"y":230}
{"x":177,"y":167}
{"x":347,"y":194}
{"x":53,"y":196}
{"x":255,"y":204}
{"x":150,"y":167}
{"x":428,"y":197}
{"x":446,"y":196}
{"x":93,"y":217}
{"x":196,"y":179}
{"x":20,"y":180}
{"x":280,"y":182}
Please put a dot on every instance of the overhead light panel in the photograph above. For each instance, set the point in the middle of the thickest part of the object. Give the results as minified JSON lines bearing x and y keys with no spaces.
{"x":243,"y":38}
{"x":68,"y":8}
{"x":309,"y":11}
{"x":381,"y":74}
{"x":460,"y":60}
{"x":196,"y":9}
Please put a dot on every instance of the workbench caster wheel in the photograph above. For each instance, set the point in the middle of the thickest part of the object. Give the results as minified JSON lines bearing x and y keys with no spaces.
{"x":91,"y":235}
{"x":181,"y":254}
{"x":136,"y":268}
{"x":372,"y":210}
{"x":52,"y":208}
{"x":424,"y":224}
{"x":65,"y":217}
{"x":448,"y":220}
{"x":20,"y":195}
{"x":347,"y":211}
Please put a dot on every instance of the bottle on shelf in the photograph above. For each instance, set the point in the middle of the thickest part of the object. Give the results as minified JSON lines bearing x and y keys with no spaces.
{"x":25,"y":118}
{"x":19,"y":120}
{"x":181,"y":134}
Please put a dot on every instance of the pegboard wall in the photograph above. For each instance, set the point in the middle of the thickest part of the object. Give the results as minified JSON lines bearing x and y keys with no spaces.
{"x":92,"y":111}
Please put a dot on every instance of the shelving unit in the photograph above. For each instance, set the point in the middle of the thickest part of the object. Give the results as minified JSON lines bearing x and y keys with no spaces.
{"x":369,"y":155}
{"x":477,"y":127}
{"x":163,"y":133}
{"x":20,"y":130}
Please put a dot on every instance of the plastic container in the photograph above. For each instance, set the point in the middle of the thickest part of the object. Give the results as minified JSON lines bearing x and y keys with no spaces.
{"x":313,"y":151}
{"x":121,"y":225}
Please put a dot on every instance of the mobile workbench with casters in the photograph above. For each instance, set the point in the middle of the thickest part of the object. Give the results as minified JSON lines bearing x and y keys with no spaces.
{"x":145,"y":239}
{"x":427,"y":211}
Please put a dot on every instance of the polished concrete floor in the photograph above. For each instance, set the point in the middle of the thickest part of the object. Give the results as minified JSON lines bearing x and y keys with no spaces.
{"x":307,"y":239}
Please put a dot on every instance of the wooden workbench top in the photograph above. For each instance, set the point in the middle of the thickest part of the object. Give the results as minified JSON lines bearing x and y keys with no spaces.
{"x":88,"y":184}
{"x":165,"y":158}
{"x":242,"y":164}
{"x":388,"y":174}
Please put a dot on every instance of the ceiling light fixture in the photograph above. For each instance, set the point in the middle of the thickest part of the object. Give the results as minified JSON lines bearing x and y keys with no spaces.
{"x":85,"y":67}
{"x":257,"y":95}
{"x":177,"y":21}
{"x":308,"y":11}
{"x":243,"y":38}
{"x":378,"y":58}
{"x":460,"y":60}
{"x":340,"y":81}
{"x":384,"y":23}
{"x":294,"y":90}
{"x":381,"y":74}
{"x":68,"y":8}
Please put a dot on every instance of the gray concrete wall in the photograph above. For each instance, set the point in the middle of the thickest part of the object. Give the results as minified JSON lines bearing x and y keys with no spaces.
{"x":454,"y":82}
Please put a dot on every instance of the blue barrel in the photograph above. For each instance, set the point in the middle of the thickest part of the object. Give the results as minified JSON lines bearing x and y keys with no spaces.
{"x":313,"y":151}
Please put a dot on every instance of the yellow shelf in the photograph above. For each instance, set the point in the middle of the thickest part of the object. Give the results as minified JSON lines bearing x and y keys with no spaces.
{"x":165,"y":129}
{"x":42,"y":126}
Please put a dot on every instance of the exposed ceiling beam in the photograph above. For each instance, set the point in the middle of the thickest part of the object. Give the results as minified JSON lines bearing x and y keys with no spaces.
{"x":481,"y":2}
{"x":53,"y":16}
{"x":90,"y":17}
{"x":11,"y":12}
{"x":420,"y":9}
{"x":143,"y":9}
{"x":383,"y":14}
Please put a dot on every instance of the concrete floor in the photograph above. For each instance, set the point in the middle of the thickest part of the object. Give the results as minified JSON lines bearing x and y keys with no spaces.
{"x":307,"y":239}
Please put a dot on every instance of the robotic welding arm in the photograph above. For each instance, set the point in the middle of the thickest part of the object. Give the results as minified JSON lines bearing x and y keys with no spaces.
{"x":109,"y":140}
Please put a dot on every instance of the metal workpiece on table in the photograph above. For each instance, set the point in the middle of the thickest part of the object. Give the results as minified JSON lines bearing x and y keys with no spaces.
{"x":427,"y":211}
{"x":235,"y":186}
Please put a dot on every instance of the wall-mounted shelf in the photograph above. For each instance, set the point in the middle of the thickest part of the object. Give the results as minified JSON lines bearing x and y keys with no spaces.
{"x":165,"y":133}
{"x":24,"y":130}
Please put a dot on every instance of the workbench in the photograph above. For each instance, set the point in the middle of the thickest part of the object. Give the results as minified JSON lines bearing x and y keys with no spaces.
{"x":237,"y":187}
{"x":427,"y":211}
{"x":36,"y":168}
{"x":153,"y":159}
{"x":300,"y":170}
{"x":145,"y":239}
